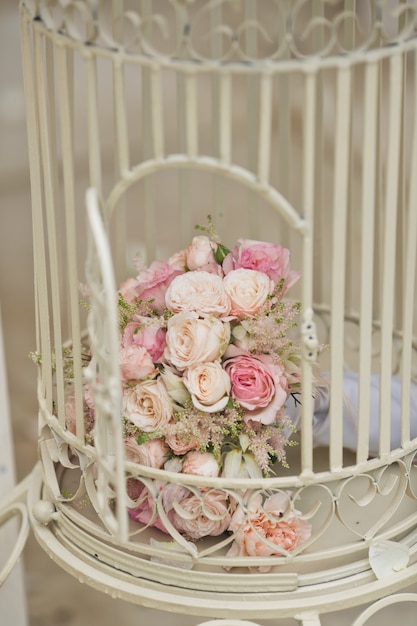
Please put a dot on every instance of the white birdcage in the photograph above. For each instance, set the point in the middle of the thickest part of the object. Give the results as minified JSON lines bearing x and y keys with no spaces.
{"x":289,"y":122}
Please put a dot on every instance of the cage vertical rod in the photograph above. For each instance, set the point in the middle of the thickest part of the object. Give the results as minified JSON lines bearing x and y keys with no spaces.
{"x":67,"y":119}
{"x":309,"y":132}
{"x":389,"y":248}
{"x":369,"y":165}
{"x":340,"y":192}
{"x":46,"y":116}
{"x":43,"y":342}
{"x":409,"y":284}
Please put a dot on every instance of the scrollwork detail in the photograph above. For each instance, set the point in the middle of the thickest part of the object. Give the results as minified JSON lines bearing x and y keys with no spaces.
{"x":224,"y":31}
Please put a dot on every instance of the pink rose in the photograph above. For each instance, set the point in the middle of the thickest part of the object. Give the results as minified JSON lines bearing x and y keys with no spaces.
{"x":146,"y":332}
{"x":153,"y":453}
{"x":153,"y":282}
{"x":129,"y":289}
{"x":136,"y":363}
{"x":198,"y":291}
{"x":262,"y":526}
{"x":147,"y":405}
{"x":147,"y":509}
{"x":201,"y":464}
{"x":248,"y":291}
{"x":178,"y":261}
{"x":200,"y":255}
{"x":271,"y":259}
{"x":70,"y":414}
{"x":203,"y":516}
{"x":258,"y":384}
{"x":191,"y":339}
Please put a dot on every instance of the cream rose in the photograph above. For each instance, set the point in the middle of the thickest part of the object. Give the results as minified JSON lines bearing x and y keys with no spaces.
{"x":247,"y":290}
{"x":153,"y":453}
{"x":147,"y":405}
{"x":201,"y":464}
{"x":209,"y":386}
{"x":199,"y":291}
{"x":200,"y":252}
{"x":191,"y":339}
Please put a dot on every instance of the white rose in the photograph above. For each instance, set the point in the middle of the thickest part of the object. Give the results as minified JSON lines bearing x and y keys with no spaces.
{"x":191,"y":339}
{"x":147,"y":405}
{"x":198,"y":291}
{"x":247,"y":290}
{"x":209,"y":386}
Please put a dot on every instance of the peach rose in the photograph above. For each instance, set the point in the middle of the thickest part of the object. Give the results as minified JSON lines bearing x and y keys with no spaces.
{"x":200,"y":464}
{"x":198,"y":291}
{"x":203,"y":516}
{"x":269,"y":529}
{"x":147,"y":405}
{"x":191,"y":339}
{"x":136,"y":363}
{"x":258,"y":384}
{"x":153,"y":453}
{"x":248,"y":291}
{"x":180,"y":442}
{"x":209,"y":386}
{"x":271,"y":259}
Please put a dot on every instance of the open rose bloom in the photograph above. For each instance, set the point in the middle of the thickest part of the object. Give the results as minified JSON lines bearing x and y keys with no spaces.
{"x":208,"y":374}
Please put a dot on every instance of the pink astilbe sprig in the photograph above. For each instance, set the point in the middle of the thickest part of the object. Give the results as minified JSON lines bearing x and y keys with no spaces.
{"x":210,"y":434}
{"x":267,"y":444}
{"x":267,"y":332}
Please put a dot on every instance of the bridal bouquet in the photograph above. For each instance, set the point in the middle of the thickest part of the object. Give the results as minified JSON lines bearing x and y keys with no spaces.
{"x":208,"y":370}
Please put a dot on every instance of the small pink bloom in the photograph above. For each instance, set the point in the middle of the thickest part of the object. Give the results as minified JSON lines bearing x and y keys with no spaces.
{"x":201,"y":464}
{"x":136,"y":363}
{"x":153,"y":283}
{"x":271,"y":259}
{"x":70,"y":414}
{"x":258,"y":384}
{"x":146,"y":332}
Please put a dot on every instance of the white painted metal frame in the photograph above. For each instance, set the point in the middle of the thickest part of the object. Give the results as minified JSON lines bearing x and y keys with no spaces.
{"x":336,"y":183}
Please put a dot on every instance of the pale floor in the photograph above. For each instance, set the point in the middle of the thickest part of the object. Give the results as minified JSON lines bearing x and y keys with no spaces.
{"x":54,"y":598}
